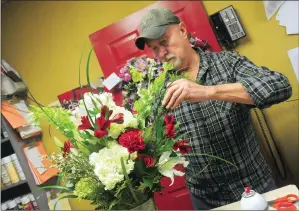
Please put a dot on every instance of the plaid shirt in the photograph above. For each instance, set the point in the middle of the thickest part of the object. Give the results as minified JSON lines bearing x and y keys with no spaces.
{"x":225,"y":129}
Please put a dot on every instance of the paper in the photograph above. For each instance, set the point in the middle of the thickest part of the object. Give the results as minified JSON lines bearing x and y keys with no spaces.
{"x":288,"y":16}
{"x":35,"y":158}
{"x":28,"y":131}
{"x":111,"y":81}
{"x":12,"y":115}
{"x":22,"y":109}
{"x":294,"y":57}
{"x":271,"y":7}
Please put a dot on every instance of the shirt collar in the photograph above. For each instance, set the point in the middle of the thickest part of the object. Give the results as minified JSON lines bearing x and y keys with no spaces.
{"x":203,"y":65}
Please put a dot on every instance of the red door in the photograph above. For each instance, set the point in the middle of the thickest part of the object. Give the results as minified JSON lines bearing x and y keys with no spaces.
{"x":114,"y":45}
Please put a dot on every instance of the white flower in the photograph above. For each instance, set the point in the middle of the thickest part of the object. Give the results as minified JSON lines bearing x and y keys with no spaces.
{"x":108,"y":166}
{"x":166,"y":165}
{"x":76,"y":116}
{"x":96,"y":100}
{"x":129,"y":121}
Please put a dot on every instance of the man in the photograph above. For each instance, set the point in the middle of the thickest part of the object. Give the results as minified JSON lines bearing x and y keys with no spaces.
{"x":213,"y":105}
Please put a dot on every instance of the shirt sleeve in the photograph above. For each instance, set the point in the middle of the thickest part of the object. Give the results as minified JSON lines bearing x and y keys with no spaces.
{"x":264,"y":86}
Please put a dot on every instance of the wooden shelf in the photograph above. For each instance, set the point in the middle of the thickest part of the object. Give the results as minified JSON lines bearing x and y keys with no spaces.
{"x":14,"y":185}
{"x":4,"y":139}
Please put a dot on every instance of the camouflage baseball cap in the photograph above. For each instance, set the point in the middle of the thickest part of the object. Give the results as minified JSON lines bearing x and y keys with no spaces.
{"x":154,"y":24}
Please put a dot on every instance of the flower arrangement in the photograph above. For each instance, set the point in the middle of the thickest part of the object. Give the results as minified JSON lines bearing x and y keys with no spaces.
{"x":110,"y":156}
{"x":114,"y":157}
{"x":137,"y":73}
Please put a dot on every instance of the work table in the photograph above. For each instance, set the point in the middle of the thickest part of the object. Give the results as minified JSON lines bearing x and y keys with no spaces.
{"x":269,"y":196}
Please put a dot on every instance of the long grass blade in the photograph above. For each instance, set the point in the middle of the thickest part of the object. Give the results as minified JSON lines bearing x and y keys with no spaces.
{"x":128,"y":180}
{"x":200,"y":154}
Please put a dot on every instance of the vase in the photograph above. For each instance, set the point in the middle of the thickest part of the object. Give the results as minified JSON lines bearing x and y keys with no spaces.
{"x":148,"y":205}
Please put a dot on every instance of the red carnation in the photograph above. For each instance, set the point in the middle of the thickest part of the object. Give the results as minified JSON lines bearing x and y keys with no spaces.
{"x":67,"y":147}
{"x":180,"y":145}
{"x":132,"y":140}
{"x":148,"y":160}
{"x":85,"y":124}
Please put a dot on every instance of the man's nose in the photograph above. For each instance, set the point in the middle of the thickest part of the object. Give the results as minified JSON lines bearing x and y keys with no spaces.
{"x":162,"y":52}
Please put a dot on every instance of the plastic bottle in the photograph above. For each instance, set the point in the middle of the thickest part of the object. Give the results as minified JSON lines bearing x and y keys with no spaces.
{"x":18,"y":167}
{"x":252,"y":200}
{"x":12,"y":205}
{"x":5,"y":179}
{"x":27,"y":205}
{"x":19,"y":203}
{"x":7,"y":162}
{"x":32,"y":199}
{"x":4,"y":206}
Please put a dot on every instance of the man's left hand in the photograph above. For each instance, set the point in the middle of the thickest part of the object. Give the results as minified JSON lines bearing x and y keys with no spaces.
{"x":184,"y":90}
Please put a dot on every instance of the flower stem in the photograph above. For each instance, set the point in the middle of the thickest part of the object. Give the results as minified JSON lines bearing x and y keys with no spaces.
{"x":128,"y":180}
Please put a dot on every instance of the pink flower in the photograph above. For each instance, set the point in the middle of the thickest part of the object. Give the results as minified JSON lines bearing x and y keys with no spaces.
{"x":123,"y":70}
{"x":127,"y":77}
{"x":140,"y":65}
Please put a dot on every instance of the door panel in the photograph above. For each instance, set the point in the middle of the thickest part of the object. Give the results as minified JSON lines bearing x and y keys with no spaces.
{"x":114,"y":45}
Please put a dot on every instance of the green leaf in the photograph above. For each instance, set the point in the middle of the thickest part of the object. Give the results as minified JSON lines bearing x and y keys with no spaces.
{"x":128,"y":180}
{"x":139,"y":168}
{"x":148,"y":182}
{"x":160,"y":129}
{"x":64,"y":197}
{"x":87,"y":69}
{"x":53,"y":187}
{"x":202,"y":154}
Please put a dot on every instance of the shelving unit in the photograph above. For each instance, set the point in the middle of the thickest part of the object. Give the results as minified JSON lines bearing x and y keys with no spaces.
{"x":13,"y":144}
{"x":14,"y":185}
{"x":4,"y":140}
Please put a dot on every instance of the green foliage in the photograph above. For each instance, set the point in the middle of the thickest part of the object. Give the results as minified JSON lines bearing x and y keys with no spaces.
{"x":147,"y":96}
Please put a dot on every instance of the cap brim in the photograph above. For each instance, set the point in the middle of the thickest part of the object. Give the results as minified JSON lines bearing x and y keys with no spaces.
{"x":150,"y":34}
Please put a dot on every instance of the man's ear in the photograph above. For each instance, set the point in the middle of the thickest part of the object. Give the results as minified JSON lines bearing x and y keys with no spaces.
{"x":183,"y":30}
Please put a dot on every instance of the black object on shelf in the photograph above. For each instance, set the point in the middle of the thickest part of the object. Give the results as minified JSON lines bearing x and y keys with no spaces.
{"x":14,"y":191}
{"x":6,"y":149}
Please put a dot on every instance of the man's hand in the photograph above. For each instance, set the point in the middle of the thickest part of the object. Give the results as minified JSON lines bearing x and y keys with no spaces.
{"x":185,"y":90}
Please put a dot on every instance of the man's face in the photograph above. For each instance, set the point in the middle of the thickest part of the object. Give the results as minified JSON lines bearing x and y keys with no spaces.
{"x":171,"y":47}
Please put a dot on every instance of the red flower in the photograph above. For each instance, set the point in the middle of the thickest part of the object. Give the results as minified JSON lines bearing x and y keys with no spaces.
{"x":118,"y":118}
{"x":103,"y":122}
{"x":169,"y":122}
{"x":170,"y":131}
{"x":169,"y":119}
{"x":132,"y":140}
{"x":180,"y":145}
{"x":148,"y":160}
{"x":85,"y":124}
{"x":67,"y":147}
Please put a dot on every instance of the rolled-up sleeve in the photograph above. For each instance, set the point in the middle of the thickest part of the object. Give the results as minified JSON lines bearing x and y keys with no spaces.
{"x":264,"y":86}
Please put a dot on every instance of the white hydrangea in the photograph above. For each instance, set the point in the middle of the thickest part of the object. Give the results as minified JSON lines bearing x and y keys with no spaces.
{"x":108,"y":166}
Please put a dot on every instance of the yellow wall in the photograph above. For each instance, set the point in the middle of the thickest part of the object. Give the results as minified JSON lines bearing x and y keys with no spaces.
{"x":44,"y":41}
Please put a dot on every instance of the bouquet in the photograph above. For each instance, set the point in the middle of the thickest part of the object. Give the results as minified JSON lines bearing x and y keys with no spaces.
{"x":138,"y":73}
{"x":112,"y":156}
